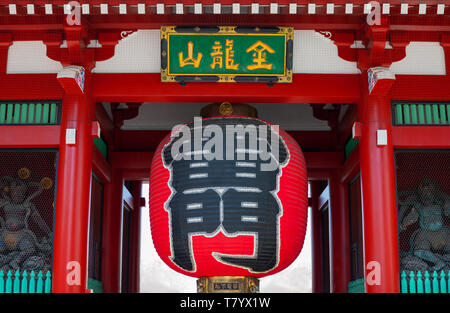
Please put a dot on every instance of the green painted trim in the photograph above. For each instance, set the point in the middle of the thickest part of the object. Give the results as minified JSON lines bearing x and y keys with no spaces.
{"x":414,"y":119}
{"x":399,"y":113}
{"x":428,"y":115}
{"x":350,"y":145}
{"x":2,"y":113}
{"x":425,"y":113}
{"x":23,"y":116}
{"x":357,"y":286}
{"x":38,"y":113}
{"x":31,"y":110}
{"x":9,"y":113}
{"x":448,"y":113}
{"x":95,"y":285}
{"x":406,"y":111}
{"x":53,"y":113}
{"x":435,"y":108}
{"x":442,"y":114}
{"x":29,"y":113}
{"x":16,"y":113}
{"x":102,"y":146}
{"x":45,"y":112}
{"x":421,"y":114}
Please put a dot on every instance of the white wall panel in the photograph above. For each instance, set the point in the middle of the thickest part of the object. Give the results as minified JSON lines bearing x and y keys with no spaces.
{"x":313,"y":53}
{"x":137,"y":53}
{"x":30,"y":57}
{"x":422,"y":58}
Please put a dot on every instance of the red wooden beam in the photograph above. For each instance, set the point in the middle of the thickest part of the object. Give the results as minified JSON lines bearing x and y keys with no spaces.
{"x":313,"y":140}
{"x":317,"y":234}
{"x":132,"y":160}
{"x":431,"y":23}
{"x":140,"y":140}
{"x":421,"y":88}
{"x":142,"y":175}
{"x":112,"y":233}
{"x":30,"y":87}
{"x":29,"y":136}
{"x":345,"y":125}
{"x":325,"y":22}
{"x":318,"y":174}
{"x":204,"y":2}
{"x":100,"y":166}
{"x":339,"y":233}
{"x":351,"y":166}
{"x":323,"y":160}
{"x":135,"y":238}
{"x":209,"y":2}
{"x":423,"y":137}
{"x":107,"y":127}
{"x":305,"y":88}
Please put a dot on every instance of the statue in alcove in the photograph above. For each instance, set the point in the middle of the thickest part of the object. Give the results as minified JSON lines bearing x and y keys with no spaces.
{"x":20,"y":249}
{"x":430,"y":242}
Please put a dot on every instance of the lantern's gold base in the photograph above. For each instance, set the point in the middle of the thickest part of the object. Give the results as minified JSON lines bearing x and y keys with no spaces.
{"x":228,"y":284}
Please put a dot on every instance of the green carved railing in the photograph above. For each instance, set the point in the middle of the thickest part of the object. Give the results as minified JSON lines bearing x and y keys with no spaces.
{"x":46,"y":113}
{"x":425,"y":283}
{"x":429,"y":113}
{"x":25,"y":282}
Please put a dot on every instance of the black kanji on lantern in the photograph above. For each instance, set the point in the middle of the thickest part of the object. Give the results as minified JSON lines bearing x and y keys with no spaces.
{"x":234,"y":193}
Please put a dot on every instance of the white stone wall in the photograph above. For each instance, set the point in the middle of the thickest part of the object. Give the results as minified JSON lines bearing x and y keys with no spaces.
{"x":313,"y":53}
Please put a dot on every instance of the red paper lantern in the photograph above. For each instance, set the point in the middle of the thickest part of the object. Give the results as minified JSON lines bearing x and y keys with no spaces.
{"x":242,"y":215}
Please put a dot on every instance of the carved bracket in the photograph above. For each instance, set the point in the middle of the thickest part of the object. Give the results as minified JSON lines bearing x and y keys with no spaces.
{"x":121,"y":114}
{"x":373,"y":49}
{"x":77,"y":51}
{"x":331,"y":115}
{"x":445,"y":43}
{"x":5,"y":43}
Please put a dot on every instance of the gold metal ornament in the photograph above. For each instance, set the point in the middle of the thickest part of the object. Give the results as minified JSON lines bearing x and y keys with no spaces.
{"x":24,"y":173}
{"x":46,"y":182}
{"x":228,"y":284}
{"x":226,"y":109}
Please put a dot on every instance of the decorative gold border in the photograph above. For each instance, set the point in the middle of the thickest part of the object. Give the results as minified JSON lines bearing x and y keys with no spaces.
{"x":226,"y":78}
{"x":246,"y":284}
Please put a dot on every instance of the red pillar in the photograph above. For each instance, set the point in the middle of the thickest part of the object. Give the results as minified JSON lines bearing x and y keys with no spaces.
{"x":339,"y":234}
{"x":378,"y":193}
{"x":135,"y":238}
{"x":73,"y":195}
{"x":111,"y":269}
{"x":316,"y":239}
